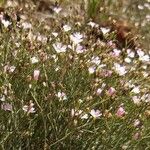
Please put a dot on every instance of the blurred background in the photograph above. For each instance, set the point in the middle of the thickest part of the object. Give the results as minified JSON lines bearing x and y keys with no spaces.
{"x":135,"y":12}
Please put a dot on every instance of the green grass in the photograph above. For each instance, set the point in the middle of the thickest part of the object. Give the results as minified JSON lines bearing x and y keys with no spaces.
{"x":46,"y":112}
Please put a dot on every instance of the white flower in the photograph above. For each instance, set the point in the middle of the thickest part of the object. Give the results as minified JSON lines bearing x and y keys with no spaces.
{"x":66,"y":28}
{"x":121,"y":70}
{"x":116,"y":52}
{"x":55,"y":34}
{"x":136,"y":90}
{"x":136,"y":122}
{"x":99,"y":91}
{"x":131,"y":54}
{"x":142,"y":56}
{"x":140,"y":7}
{"x":75,"y":112}
{"x":105,"y":30}
{"x":91,"y":70}
{"x":34,"y":60}
{"x":26,"y":109}
{"x":95,"y":113}
{"x":59,"y":48}
{"x":96,"y":60}
{"x":145,"y":58}
{"x":140,"y":53}
{"x":145,"y":74}
{"x":29,"y":108}
{"x":92,"y":24}
{"x":144,"y":66}
{"x":127,"y":60}
{"x":136,"y":100}
{"x":12,"y":68}
{"x":61,"y":96}
{"x":85,"y":116}
{"x":26,"y":25}
{"x":147,"y":4}
{"x":79,"y":49}
{"x":6,"y":23}
{"x":42,"y":38}
{"x":76,"y":38}
{"x":2,"y":98}
{"x":57,"y":9}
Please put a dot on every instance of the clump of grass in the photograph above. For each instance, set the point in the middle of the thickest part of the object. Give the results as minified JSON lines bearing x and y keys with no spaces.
{"x":63,"y":88}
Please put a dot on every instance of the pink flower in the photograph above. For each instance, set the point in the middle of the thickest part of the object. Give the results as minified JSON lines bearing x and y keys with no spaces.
{"x":136,"y":123}
{"x":120,"y":112}
{"x":116,"y":52}
{"x":36,"y":74}
{"x":95,"y":113}
{"x":6,"y":106}
{"x":111,"y":91}
{"x":137,"y":135}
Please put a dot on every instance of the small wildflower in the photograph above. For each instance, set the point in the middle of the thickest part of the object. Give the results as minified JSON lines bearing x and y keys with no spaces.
{"x":95,"y":113}
{"x":29,"y":108}
{"x":121,"y":70}
{"x":85,"y":116}
{"x":36,"y":74}
{"x":34,"y":60}
{"x":140,"y":53}
{"x":79,"y":49}
{"x":144,"y":58}
{"x":99,"y":91}
{"x":12,"y":69}
{"x":6,"y":23}
{"x":2,"y":98}
{"x":127,"y":60}
{"x":61,"y":96}
{"x":76,"y":38}
{"x":66,"y":28}
{"x":26,"y":25}
{"x":111,"y":91}
{"x":55,"y":34}
{"x":57,"y":9}
{"x":96,"y":60}
{"x":105,"y":30}
{"x":136,"y":90}
{"x":136,"y":100}
{"x":140,"y":7}
{"x":116,"y":52}
{"x":42,"y":38}
{"x":6,"y":106}
{"x":145,"y":74}
{"x":91,"y":70}
{"x":120,"y":112}
{"x":111,"y":44}
{"x":131,"y":54}
{"x":59,"y":48}
{"x":92,"y":24}
{"x":136,"y":123}
{"x":137,"y":135}
{"x":75,"y":112}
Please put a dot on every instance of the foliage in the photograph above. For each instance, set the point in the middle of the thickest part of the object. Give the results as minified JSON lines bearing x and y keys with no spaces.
{"x":63,"y":87}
